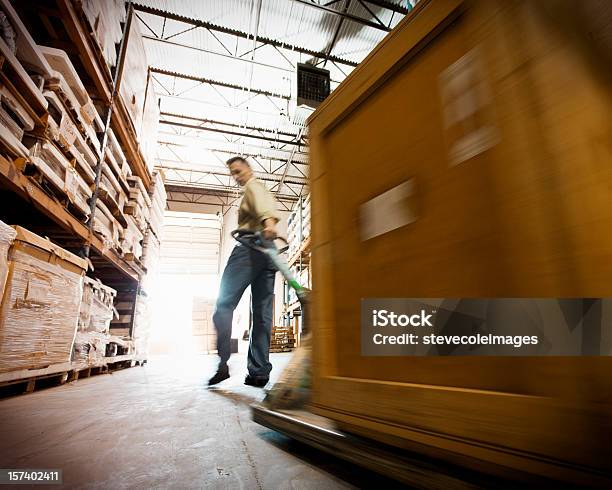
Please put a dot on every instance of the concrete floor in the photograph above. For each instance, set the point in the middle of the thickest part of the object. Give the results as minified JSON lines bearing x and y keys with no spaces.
{"x":158,"y":426}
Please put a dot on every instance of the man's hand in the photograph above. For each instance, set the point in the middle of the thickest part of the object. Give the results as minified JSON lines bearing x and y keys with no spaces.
{"x":269,"y":231}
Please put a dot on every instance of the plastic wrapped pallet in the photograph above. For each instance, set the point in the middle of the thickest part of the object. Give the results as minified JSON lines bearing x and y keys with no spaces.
{"x":134,"y":82}
{"x":7,"y":235}
{"x":158,"y":197}
{"x":139,"y":203}
{"x":150,"y":252}
{"x":97,"y":306}
{"x":40,"y":307}
{"x":89,"y":347}
{"x":149,"y":125}
{"x":105,"y":20}
{"x":141,"y":327}
{"x":132,"y":237}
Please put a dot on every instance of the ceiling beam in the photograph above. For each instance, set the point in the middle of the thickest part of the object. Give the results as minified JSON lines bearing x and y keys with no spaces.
{"x":398,"y":9}
{"x":216,"y":191}
{"x":233,"y":133}
{"x":215,"y":82}
{"x":228,"y":152}
{"x":337,"y":31}
{"x":344,"y":15}
{"x":175,"y":165}
{"x":241,"y":34}
{"x":233,"y":125}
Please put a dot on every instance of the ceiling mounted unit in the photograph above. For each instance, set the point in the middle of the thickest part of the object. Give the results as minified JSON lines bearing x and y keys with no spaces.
{"x":312,"y":85}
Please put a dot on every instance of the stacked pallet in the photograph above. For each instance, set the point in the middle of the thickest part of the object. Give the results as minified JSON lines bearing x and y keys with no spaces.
{"x":124,"y":305}
{"x":144,"y":213}
{"x":282,"y":339}
{"x":158,"y":197}
{"x":152,"y":237}
{"x":298,"y":225}
{"x":141,"y":328}
{"x":66,"y":154}
{"x":110,"y":221}
{"x":139,"y":203}
{"x":21,"y":99}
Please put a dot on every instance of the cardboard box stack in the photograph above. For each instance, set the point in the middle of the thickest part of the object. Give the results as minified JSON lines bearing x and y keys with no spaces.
{"x":203,"y":329}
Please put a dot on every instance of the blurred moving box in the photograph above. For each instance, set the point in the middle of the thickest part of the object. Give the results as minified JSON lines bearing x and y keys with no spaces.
{"x":469,"y":156}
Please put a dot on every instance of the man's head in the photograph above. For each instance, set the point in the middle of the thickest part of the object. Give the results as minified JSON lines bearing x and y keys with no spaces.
{"x":240,"y":169}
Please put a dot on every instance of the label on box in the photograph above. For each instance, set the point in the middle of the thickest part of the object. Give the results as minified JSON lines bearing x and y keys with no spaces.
{"x":467,"y":108}
{"x":388,"y":211}
{"x":37,"y":291}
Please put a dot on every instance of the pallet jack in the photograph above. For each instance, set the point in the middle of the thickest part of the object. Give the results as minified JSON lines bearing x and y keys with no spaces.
{"x":285,"y":409}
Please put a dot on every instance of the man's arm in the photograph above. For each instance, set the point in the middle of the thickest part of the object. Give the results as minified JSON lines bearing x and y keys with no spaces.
{"x":269,"y":231}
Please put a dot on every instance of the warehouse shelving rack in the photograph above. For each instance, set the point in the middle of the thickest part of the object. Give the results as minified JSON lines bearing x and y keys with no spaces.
{"x":66,"y":28}
{"x":60,"y":24}
{"x":299,"y":260}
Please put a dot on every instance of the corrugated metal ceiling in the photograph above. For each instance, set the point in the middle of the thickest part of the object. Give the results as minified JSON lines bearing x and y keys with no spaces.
{"x":182,"y":47}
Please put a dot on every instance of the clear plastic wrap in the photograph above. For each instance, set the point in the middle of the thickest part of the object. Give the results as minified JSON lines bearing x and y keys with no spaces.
{"x":142,"y":322}
{"x":40,"y":308}
{"x":7,"y":235}
{"x":131,"y":240}
{"x":97,"y":307}
{"x":105,"y":19}
{"x":89,"y":347}
{"x":149,"y":125}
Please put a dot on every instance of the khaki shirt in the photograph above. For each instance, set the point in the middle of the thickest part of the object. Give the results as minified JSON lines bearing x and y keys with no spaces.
{"x":256,"y":206}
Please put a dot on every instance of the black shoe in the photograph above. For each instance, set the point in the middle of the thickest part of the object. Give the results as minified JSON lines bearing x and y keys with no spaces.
{"x":221,"y":374}
{"x":258,"y":381}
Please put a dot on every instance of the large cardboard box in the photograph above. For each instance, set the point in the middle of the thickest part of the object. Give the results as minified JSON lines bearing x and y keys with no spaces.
{"x":468,"y":156}
{"x":40,"y":307}
{"x":203,"y":328}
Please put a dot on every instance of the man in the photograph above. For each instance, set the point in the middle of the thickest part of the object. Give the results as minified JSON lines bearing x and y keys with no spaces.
{"x":246,"y":267}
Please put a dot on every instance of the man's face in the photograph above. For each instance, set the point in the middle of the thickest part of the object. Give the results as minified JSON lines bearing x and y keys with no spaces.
{"x":241,"y":172}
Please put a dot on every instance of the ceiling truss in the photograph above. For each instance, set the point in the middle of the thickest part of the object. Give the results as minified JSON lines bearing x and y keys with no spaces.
{"x":278,"y":154}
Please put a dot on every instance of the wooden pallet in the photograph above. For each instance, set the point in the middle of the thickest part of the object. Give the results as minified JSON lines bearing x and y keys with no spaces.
{"x":19,"y":383}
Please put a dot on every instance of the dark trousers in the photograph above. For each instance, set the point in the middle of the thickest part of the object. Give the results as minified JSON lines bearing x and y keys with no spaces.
{"x":247,"y":267}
